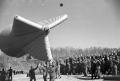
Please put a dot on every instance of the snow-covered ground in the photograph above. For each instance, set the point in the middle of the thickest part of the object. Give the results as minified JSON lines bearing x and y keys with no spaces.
{"x":64,"y":78}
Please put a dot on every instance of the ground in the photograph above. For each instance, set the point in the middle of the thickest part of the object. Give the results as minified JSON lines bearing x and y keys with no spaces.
{"x":23,"y":77}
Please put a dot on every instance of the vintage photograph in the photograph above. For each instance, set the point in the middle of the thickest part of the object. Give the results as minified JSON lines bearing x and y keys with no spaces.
{"x":59,"y":40}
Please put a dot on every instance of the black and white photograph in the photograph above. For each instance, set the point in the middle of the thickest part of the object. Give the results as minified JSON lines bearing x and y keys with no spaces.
{"x":59,"y":40}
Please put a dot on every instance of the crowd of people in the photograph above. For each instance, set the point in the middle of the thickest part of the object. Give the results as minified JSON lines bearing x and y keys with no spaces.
{"x":96,"y":66}
{"x":48,"y":69}
{"x":6,"y":74}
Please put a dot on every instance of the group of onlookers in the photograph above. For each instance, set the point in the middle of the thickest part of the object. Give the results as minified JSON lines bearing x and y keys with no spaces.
{"x":91,"y":65}
{"x":48,"y":69}
{"x":6,"y":75}
{"x":94,"y":66}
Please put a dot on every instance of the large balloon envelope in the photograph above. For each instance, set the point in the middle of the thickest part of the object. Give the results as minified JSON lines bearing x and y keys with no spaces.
{"x":28,"y":37}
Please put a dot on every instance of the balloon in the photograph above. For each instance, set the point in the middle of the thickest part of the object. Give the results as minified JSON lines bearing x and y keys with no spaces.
{"x":27,"y":37}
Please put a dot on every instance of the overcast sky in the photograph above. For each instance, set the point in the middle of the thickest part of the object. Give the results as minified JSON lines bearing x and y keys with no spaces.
{"x":90,"y":23}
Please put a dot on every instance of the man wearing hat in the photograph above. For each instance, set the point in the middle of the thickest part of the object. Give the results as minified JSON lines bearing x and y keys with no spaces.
{"x":44,"y":69}
{"x":52,"y":70}
{"x":32,"y":73}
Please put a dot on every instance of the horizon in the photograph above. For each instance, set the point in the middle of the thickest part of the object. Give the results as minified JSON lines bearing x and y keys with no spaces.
{"x":91,"y":23}
{"x":85,"y":48}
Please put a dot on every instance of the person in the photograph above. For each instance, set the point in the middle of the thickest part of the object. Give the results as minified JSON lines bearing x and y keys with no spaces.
{"x":67,"y":67}
{"x":58,"y":75}
{"x":93,"y":67}
{"x":74,"y":67}
{"x":62,"y":67}
{"x":3,"y":75}
{"x":71,"y":65}
{"x":107,"y":65}
{"x":115,"y":71}
{"x":98,"y":70}
{"x":32,"y":73}
{"x":10,"y":73}
{"x":115,"y":66}
{"x":85,"y":68}
{"x":52,"y":70}
{"x":14,"y":72}
{"x":45,"y":72}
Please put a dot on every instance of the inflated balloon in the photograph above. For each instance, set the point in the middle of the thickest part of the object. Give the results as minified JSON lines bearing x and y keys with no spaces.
{"x":27,"y":37}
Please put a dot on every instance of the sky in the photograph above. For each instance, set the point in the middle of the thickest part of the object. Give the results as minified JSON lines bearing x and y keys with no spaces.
{"x":91,"y":23}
